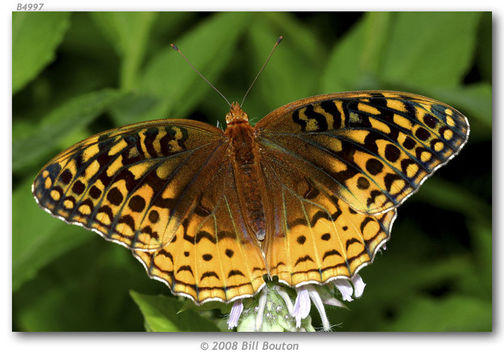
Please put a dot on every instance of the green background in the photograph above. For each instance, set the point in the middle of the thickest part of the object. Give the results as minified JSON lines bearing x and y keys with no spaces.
{"x":75,"y":74}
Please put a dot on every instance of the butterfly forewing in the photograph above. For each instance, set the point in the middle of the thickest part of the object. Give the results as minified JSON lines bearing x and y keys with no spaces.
{"x":371,"y":149}
{"x":133,"y":185}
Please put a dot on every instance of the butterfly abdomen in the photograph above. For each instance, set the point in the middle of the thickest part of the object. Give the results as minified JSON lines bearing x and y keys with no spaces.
{"x":245,"y":156}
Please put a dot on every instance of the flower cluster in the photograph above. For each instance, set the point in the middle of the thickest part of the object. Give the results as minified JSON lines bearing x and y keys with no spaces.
{"x":280,"y":308}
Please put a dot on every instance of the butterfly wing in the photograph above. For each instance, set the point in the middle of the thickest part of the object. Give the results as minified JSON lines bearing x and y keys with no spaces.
{"x":212,"y":256}
{"x":133,"y":185}
{"x":372,"y":149}
{"x":317,"y":236}
{"x":338,"y":165}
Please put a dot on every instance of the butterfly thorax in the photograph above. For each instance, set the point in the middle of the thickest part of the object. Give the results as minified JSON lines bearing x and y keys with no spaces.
{"x":244,"y":153}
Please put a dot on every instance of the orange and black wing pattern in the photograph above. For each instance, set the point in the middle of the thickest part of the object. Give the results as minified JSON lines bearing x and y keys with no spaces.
{"x":211,"y":257}
{"x":133,"y":185}
{"x":332,"y":169}
{"x":163,"y":189}
{"x":337,"y":166}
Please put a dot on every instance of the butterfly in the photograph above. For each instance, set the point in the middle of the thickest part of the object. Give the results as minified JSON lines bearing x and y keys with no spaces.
{"x":306,"y":196}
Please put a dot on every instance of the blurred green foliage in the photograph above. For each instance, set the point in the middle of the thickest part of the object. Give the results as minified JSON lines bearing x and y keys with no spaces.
{"x":75,"y":74}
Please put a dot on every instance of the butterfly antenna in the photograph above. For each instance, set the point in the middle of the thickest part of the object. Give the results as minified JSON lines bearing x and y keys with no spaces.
{"x":262,"y":68}
{"x":174,"y":47}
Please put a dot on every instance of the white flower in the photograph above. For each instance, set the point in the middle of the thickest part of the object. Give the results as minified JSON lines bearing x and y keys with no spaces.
{"x":353,"y":287}
{"x":345,"y":288}
{"x":286,"y":298}
{"x":234,"y":314}
{"x":319,"y":296}
{"x":273,"y":309}
{"x":315,"y":297}
{"x":260,"y":309}
{"x":302,"y":305}
{"x":358,"y":285}
{"x":270,"y":311}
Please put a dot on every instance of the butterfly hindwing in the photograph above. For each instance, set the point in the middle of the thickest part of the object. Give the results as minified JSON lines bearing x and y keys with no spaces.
{"x":317,"y":236}
{"x":373,"y":149}
{"x":211,"y":257}
{"x":132,"y":185}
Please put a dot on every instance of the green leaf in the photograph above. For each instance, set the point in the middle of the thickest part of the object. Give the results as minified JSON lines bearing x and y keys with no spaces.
{"x":375,"y":38}
{"x":60,"y":123}
{"x":452,"y":197}
{"x":132,"y":108}
{"x":297,"y":34}
{"x":416,"y":273}
{"x":37,"y":239}
{"x":280,"y":82}
{"x":188,"y":304}
{"x":35,"y":38}
{"x":429,"y":48}
{"x":209,"y":47}
{"x":456,"y":313}
{"x":161,"y":314}
{"x":355,"y":60}
{"x":484,"y":47}
{"x":84,"y":289}
{"x":481,"y":237}
{"x":128,"y":32}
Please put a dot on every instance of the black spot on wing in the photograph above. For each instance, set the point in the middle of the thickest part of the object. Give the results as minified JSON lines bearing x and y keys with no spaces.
{"x":330,"y":253}
{"x":303,"y":259}
{"x":209,"y":274}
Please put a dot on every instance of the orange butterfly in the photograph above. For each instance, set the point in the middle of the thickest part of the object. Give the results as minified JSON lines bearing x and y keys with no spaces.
{"x":308,"y":195}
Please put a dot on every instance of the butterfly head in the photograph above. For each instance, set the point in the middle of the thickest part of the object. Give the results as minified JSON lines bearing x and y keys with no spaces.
{"x":236,"y":114}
